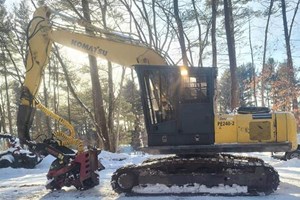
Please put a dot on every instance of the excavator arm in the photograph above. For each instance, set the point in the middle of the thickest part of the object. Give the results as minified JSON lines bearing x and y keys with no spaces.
{"x":70,"y":167}
{"x":41,"y":36}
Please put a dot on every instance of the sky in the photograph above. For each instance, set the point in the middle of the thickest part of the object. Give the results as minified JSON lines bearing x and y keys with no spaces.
{"x":276,"y":43}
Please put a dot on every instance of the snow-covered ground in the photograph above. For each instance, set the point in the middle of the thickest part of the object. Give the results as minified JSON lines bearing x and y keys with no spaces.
{"x":30,"y":183}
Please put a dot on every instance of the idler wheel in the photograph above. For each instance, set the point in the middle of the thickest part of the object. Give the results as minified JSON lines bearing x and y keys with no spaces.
{"x":124,"y":182}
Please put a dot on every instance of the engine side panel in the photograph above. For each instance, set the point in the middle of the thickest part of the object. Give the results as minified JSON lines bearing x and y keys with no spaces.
{"x":256,"y":128}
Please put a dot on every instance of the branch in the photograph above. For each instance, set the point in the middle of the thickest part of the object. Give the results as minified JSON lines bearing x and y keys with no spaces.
{"x":75,"y":10}
{"x":72,"y":90}
{"x":294,"y":16}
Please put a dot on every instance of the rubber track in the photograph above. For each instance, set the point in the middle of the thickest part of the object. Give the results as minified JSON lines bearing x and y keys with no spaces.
{"x":215,"y":161}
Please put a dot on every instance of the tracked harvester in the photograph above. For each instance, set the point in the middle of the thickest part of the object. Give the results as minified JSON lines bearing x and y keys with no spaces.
{"x":178,"y":105}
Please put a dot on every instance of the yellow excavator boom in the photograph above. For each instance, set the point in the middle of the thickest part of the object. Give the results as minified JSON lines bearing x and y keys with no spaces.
{"x":41,"y":36}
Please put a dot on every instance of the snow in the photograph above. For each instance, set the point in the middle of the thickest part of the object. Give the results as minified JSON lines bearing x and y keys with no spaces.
{"x":162,"y":189}
{"x":8,"y":157}
{"x":24,"y":184}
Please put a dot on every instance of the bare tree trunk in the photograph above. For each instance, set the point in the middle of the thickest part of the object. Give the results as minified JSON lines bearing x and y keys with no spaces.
{"x":263,"y":75}
{"x":136,"y":134}
{"x":156,"y":38}
{"x":214,"y":47}
{"x":2,"y":114}
{"x":252,"y":64}
{"x":17,"y":70}
{"x":96,"y":87}
{"x":229,"y":26}
{"x":180,"y":33}
{"x":69,"y":105}
{"x":118,"y":102}
{"x":145,"y":16}
{"x":7,"y":96}
{"x":46,"y":104}
{"x":200,"y":62}
{"x":55,"y":91}
{"x":38,"y":124}
{"x":289,"y":61}
{"x":71,"y":89}
{"x":213,"y":32}
{"x":293,"y":19}
{"x":2,"y":121}
{"x":111,"y":108}
{"x":111,"y":103}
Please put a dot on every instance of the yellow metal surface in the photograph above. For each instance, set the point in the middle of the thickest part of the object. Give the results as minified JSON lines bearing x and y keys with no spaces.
{"x":40,"y":39}
{"x":225,"y":129}
{"x":281,"y":127}
{"x":41,"y":36}
{"x":246,"y":128}
{"x":260,"y":130}
{"x":39,"y":48}
{"x":65,"y":139}
{"x":292,"y":130}
{"x":126,"y":54}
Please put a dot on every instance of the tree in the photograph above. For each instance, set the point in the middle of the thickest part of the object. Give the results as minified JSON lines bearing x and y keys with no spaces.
{"x":111,"y":100}
{"x":132,"y":96}
{"x":263,"y":77}
{"x":245,"y":78}
{"x":280,"y":92}
{"x":229,"y":26}
{"x":214,"y":44}
{"x":2,"y":121}
{"x":213,"y":32}
{"x":269,"y":71}
{"x":3,"y":59}
{"x":290,"y":67}
{"x":96,"y":87}
{"x":83,"y":111}
{"x":180,"y":33}
{"x":5,"y":29}
{"x":224,"y":92}
{"x":252,"y":61}
{"x":4,"y":24}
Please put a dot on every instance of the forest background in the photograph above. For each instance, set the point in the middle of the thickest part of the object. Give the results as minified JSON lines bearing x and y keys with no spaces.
{"x":254,"y":44}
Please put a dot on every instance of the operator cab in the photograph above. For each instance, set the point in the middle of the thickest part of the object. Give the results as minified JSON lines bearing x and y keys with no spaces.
{"x":178,"y":104}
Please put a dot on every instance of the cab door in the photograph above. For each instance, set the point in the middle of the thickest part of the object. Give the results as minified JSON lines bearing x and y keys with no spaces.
{"x":196,"y":106}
